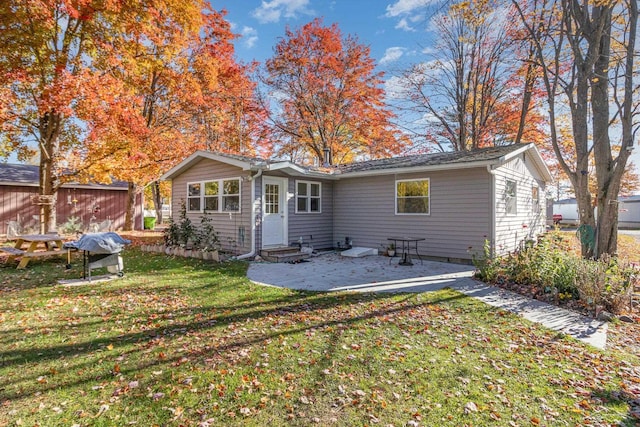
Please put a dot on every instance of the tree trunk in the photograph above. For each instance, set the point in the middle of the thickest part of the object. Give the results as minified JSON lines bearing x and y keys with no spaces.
{"x":130,"y":216}
{"x":586,"y":215}
{"x":49,"y":128}
{"x":606,"y":235}
{"x":157,"y":200}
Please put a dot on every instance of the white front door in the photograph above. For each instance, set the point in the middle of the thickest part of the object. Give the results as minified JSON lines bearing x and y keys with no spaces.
{"x":274,"y":211}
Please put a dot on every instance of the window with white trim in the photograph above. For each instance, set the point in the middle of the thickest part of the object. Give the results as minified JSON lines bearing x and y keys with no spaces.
{"x":535,"y":199}
{"x":412,"y":196}
{"x":194,"y":191}
{"x":511,"y":197}
{"x":220,"y":195}
{"x":308,"y":197}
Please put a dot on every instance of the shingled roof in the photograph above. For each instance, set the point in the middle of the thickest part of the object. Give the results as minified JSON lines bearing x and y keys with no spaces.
{"x":23,"y":174}
{"x":476,"y":158}
{"x":431,"y":159}
{"x":19,"y":174}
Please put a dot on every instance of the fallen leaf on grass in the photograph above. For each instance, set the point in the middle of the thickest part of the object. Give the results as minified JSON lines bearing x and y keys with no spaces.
{"x":470,"y":407}
{"x":104,"y":408}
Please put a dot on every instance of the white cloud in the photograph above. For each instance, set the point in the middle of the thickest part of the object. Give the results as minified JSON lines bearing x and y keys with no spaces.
{"x":249,"y":36}
{"x":428,"y":50}
{"x":272,"y":11}
{"x":407,"y":7}
{"x":392,"y":54}
{"x":403,"y":24}
{"x":394,"y":88}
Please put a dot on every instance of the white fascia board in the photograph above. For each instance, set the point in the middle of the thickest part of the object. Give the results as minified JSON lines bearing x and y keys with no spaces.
{"x":19,"y":184}
{"x":295,"y":170}
{"x":286,"y":165}
{"x":93,"y":187}
{"x":198,"y":155}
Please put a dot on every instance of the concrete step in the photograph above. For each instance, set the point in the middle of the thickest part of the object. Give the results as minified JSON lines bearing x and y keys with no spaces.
{"x":284,"y":254}
{"x":281,"y":250}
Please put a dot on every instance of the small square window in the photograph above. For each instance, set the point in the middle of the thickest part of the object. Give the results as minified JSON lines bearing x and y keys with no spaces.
{"x":308,"y":197}
{"x":413,"y":197}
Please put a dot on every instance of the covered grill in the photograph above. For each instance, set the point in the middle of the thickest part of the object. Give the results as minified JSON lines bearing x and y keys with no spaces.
{"x":100,"y":250}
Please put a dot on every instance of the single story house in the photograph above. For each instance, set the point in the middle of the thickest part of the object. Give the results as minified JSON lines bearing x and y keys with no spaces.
{"x":455,"y":201}
{"x":94,"y":205}
{"x":628,"y":211}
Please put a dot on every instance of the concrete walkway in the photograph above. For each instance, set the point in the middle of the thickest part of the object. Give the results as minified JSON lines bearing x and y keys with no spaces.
{"x":331,"y":272}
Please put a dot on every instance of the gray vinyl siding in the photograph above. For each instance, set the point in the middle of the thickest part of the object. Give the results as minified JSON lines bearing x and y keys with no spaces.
{"x":458,"y":223}
{"x":316,"y":228}
{"x":225,"y":223}
{"x":512,"y":230}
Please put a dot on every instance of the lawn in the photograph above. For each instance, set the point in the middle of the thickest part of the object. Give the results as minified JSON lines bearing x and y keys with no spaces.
{"x":180,"y":342}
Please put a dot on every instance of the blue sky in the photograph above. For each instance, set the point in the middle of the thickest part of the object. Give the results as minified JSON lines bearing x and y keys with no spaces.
{"x":397,"y":31}
{"x":394,"y":30}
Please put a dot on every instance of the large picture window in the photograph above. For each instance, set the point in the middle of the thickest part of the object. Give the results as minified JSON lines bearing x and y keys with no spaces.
{"x":308,"y":197}
{"x":412,"y":197}
{"x":511,"y":197}
{"x":221,"y":195}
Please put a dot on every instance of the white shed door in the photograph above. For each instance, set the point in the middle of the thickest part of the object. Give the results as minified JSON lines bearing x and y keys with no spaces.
{"x":274,"y":212}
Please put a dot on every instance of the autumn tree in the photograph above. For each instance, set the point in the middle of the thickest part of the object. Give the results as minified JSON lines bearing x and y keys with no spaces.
{"x":108,"y":89}
{"x":329,"y":97}
{"x":186,"y":91}
{"x":476,"y":91}
{"x":587,"y":51}
{"x":46,"y":52}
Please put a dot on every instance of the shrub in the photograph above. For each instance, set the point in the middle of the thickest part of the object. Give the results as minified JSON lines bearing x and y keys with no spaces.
{"x":184,"y":232}
{"x":171,"y":234}
{"x":73,"y":225}
{"x":205,"y":236}
{"x":553,"y":268}
{"x":606,"y":282}
{"x":487,"y":267}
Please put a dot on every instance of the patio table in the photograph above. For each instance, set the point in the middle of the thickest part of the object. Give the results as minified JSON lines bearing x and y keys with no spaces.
{"x":407,"y":243}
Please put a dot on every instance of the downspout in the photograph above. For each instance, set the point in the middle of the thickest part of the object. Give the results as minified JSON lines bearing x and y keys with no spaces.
{"x":252,"y":252}
{"x":492,"y":211}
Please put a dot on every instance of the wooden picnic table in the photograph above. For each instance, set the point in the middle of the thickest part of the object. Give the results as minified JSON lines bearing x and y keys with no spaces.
{"x":52,"y":244}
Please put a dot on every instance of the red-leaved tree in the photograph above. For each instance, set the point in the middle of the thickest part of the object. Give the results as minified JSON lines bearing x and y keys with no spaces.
{"x":329,"y":97}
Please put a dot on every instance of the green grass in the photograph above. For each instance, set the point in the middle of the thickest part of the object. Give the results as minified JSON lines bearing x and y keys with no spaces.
{"x":185,"y":343}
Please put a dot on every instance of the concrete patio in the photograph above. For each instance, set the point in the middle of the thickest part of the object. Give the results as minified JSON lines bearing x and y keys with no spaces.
{"x":332,"y":272}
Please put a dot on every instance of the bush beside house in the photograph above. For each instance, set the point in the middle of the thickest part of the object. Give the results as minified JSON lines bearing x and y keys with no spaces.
{"x":549,"y":270}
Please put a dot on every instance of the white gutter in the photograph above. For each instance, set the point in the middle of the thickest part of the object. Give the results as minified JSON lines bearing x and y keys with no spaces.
{"x":252,"y":252}
{"x":492,"y":212}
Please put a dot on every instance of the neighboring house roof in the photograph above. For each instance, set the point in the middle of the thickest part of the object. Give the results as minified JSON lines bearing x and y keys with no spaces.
{"x":29,"y":175}
{"x":630,"y":199}
{"x":573,"y":201}
{"x":490,"y":157}
{"x":565,"y":201}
